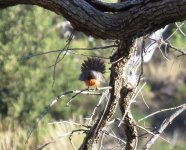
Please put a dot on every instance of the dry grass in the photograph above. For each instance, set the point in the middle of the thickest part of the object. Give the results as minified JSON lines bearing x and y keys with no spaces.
{"x":13,"y":137}
{"x":167,"y":69}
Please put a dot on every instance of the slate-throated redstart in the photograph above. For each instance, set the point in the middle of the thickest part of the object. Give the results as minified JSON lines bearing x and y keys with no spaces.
{"x":92,"y":71}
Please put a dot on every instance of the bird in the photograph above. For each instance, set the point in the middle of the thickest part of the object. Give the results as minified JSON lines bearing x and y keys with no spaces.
{"x":92,"y":72}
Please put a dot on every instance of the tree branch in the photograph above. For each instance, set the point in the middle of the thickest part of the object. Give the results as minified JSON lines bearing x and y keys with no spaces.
{"x":165,"y":123}
{"x":161,"y":110}
{"x":137,"y":20}
{"x":115,"y":93}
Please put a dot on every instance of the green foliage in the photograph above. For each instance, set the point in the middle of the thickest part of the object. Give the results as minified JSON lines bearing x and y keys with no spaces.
{"x":138,"y":115}
{"x":180,"y":95}
{"x":26,"y":85}
{"x":178,"y":37}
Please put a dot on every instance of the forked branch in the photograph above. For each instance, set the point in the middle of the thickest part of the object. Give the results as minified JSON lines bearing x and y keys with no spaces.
{"x":164,"y":125}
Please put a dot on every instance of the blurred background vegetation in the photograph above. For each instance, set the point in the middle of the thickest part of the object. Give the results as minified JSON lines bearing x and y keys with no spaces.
{"x":26,"y":83}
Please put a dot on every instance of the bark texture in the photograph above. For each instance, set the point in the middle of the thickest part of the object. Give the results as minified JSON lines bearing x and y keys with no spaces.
{"x":119,"y":60}
{"x":130,"y":20}
{"x":129,"y":123}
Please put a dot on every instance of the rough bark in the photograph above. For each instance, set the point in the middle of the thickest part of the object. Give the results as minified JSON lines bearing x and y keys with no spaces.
{"x":119,"y":59}
{"x":129,"y":123}
{"x":132,"y":21}
{"x":126,"y":93}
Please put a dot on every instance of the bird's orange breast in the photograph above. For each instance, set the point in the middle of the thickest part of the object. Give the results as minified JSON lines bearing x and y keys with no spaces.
{"x":92,"y":82}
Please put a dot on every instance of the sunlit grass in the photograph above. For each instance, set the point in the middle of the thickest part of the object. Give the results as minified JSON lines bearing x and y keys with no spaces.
{"x":162,"y":145}
{"x":13,"y":137}
{"x":167,"y":69}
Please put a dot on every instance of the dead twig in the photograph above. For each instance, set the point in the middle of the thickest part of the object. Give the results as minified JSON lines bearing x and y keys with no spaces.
{"x":69,"y":50}
{"x":67,"y":122}
{"x":168,"y":45}
{"x":162,"y":110}
{"x":57,"y":59}
{"x":57,"y":99}
{"x":150,"y":132}
{"x":104,"y":94}
{"x":165,"y":123}
{"x":84,"y":91}
{"x":88,"y":55}
{"x":115,"y":137}
{"x":179,"y":28}
{"x":70,"y":134}
{"x":174,"y":32}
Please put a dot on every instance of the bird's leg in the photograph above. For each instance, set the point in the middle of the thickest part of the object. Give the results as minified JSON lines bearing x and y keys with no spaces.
{"x":88,"y":88}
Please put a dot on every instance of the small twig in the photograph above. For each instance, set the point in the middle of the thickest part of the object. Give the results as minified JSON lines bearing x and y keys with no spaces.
{"x":104,"y":94}
{"x":54,"y":101}
{"x":70,"y":139}
{"x":74,"y":148}
{"x":57,"y":59}
{"x":101,"y":143}
{"x":164,"y":125}
{"x":136,"y":94}
{"x":68,"y":122}
{"x":162,"y":110}
{"x":113,"y":133}
{"x":146,"y":49}
{"x":72,"y":133}
{"x":178,"y":50}
{"x":144,"y":100}
{"x":88,"y":55}
{"x":70,"y":49}
{"x":153,"y":130}
{"x":117,"y":60}
{"x":119,"y":120}
{"x":113,"y":136}
{"x":102,"y":114}
{"x":179,"y":28}
{"x":174,"y":32}
{"x":164,"y":56}
{"x":75,"y":96}
{"x":170,"y":46}
{"x":152,"y":133}
{"x":165,"y":49}
{"x":122,"y":120}
{"x":102,"y":88}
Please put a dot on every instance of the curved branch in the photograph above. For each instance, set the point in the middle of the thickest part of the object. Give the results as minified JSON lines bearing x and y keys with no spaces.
{"x":164,"y":125}
{"x":114,"y":7}
{"x":134,"y":21}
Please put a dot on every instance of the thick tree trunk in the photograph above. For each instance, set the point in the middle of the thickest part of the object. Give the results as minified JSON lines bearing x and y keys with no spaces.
{"x":119,"y":60}
{"x":126,"y":93}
